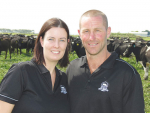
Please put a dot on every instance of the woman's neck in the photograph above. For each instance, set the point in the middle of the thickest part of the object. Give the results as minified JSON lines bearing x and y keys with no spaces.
{"x":51,"y":67}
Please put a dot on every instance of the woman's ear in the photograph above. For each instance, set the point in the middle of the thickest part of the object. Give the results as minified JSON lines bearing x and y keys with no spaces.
{"x":41,"y":41}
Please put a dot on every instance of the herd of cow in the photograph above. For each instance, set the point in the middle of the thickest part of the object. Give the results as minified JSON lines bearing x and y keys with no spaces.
{"x":123,"y":46}
{"x":12,"y":42}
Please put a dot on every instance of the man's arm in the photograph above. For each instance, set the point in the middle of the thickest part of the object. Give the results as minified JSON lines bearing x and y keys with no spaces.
{"x":133,"y":100}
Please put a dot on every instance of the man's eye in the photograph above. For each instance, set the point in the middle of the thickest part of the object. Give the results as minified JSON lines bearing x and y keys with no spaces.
{"x":85,"y":31}
{"x":51,"y":39}
{"x":62,"y":40}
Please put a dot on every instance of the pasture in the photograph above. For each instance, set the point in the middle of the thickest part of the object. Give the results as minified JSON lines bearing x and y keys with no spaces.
{"x":5,"y":64}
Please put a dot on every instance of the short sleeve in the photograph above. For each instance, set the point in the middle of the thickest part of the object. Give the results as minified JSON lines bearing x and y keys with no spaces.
{"x":11,"y":87}
{"x":133,"y":100}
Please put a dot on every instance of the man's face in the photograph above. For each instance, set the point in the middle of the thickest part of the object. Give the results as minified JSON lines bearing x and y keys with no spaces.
{"x":94,"y":35}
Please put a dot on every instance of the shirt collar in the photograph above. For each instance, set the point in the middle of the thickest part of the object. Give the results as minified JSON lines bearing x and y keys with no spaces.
{"x":42,"y":69}
{"x":83,"y":61}
{"x":108,"y":63}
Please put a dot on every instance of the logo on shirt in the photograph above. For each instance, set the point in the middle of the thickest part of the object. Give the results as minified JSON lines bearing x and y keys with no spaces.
{"x":63,"y":89}
{"x":104,"y":86}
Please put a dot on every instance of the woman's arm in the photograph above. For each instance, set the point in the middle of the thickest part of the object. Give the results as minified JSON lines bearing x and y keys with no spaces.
{"x":6,"y":107}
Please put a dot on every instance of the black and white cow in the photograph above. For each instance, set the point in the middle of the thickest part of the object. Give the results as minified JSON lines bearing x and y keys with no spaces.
{"x":141,"y":51}
{"x":122,"y":48}
{"x":119,"y":46}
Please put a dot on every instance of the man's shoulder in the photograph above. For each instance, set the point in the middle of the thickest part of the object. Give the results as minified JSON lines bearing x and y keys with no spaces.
{"x":123,"y":65}
{"x":76,"y":64}
{"x":77,"y":60}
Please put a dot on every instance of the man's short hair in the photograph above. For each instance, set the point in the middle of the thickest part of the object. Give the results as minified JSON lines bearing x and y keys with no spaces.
{"x":95,"y":13}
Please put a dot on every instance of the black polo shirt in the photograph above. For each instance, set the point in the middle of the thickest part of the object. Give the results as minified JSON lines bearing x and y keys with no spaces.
{"x":115,"y":87}
{"x":29,"y":87}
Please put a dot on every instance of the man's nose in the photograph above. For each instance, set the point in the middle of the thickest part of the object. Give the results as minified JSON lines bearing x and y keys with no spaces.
{"x":92,"y":36}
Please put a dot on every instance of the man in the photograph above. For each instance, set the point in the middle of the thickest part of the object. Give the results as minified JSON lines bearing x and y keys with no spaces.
{"x":100,"y":82}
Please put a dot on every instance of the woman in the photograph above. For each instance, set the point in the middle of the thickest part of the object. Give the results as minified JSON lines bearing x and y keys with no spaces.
{"x":37,"y":86}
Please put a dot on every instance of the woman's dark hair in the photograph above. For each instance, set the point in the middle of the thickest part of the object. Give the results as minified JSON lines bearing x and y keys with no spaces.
{"x":38,"y":49}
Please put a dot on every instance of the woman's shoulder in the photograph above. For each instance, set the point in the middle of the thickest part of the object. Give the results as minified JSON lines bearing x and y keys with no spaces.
{"x":19,"y":67}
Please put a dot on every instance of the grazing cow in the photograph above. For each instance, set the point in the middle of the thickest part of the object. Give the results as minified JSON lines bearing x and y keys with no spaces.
{"x":23,"y":43}
{"x":14,"y":43}
{"x":5,"y":46}
{"x":30,"y":44}
{"x":141,"y":51}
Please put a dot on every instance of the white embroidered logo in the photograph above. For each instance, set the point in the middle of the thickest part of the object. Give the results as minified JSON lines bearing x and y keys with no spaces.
{"x":63,"y":89}
{"x":104,"y":86}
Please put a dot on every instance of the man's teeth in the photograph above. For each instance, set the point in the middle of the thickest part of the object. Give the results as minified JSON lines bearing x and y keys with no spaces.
{"x":55,"y":51}
{"x":92,"y":44}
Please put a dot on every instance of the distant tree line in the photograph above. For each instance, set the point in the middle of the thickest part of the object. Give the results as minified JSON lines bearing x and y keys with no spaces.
{"x":147,"y":31}
{"x":143,"y":31}
{"x":3,"y":30}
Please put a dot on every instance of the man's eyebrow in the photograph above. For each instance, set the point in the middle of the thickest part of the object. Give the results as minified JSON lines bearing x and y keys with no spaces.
{"x":63,"y":38}
{"x":85,"y":29}
{"x":98,"y":28}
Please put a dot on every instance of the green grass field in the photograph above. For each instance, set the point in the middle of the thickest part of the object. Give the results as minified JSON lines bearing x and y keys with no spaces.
{"x":6,"y":63}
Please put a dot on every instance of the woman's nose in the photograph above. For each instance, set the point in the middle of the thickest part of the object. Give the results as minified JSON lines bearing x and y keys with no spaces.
{"x":56,"y":44}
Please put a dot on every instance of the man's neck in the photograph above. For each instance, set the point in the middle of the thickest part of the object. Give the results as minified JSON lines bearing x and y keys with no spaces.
{"x":94,"y":61}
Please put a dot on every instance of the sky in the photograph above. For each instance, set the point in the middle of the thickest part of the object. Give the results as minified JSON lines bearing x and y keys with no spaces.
{"x":123,"y":15}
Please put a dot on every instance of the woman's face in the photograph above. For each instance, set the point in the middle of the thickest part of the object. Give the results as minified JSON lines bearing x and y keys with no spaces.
{"x":54,"y":44}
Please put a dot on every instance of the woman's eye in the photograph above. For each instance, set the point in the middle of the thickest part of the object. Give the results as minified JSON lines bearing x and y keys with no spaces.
{"x":51,"y":39}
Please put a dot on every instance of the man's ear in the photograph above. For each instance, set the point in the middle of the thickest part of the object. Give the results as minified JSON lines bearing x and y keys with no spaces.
{"x":108,"y":32}
{"x":79,"y":32}
{"x":41,"y":41}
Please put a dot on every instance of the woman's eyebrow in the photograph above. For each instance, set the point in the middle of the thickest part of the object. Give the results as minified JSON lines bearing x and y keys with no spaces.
{"x":50,"y":37}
